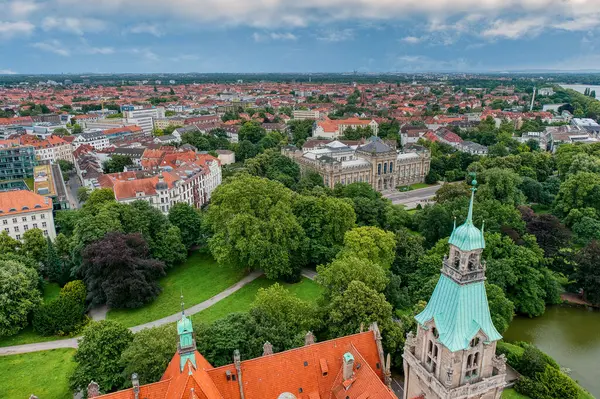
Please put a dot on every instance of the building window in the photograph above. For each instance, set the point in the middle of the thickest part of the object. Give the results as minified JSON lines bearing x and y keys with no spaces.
{"x":32,"y":217}
{"x":43,"y":224}
{"x":472,"y":366}
{"x":14,"y":220}
{"x":391,"y":167}
{"x":432,"y":356}
{"x":7,"y":229}
{"x":25,"y":228}
{"x":45,"y":232}
{"x":24,"y":218}
{"x":35,"y":226}
{"x":43,"y":216}
{"x":5,"y":221}
{"x":385,"y":168}
{"x":16,"y":228}
{"x":379,"y":169}
{"x":18,"y":236}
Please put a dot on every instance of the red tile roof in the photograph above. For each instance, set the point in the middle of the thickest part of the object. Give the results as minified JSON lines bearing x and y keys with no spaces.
{"x":20,"y":201}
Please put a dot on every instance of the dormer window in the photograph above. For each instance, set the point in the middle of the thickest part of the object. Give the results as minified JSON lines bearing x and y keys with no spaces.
{"x":474,"y":342}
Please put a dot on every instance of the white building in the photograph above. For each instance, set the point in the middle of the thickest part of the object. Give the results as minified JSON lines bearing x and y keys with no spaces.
{"x":96,"y":139}
{"x":143,"y":117}
{"x":23,"y":210}
{"x":334,"y":128}
{"x":51,"y":149}
{"x":302,"y":114}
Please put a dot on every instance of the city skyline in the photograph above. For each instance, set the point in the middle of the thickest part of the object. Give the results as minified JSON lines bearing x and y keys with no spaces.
{"x":64,"y":36}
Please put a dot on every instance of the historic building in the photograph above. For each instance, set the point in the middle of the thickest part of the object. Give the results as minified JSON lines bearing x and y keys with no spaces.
{"x":346,"y":367}
{"x":374,"y":162}
{"x":454,"y":352}
{"x":22,"y":210}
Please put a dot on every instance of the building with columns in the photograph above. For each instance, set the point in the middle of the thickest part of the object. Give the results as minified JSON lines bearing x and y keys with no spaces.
{"x":373,"y":162}
{"x":453,"y":354}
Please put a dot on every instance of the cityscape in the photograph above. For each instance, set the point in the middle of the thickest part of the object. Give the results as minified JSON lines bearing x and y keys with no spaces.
{"x":267,"y":200}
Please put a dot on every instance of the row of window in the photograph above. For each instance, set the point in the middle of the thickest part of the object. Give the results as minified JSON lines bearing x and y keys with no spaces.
{"x":385,"y":168}
{"x":25,"y":228}
{"x":24,"y":218}
{"x":18,"y":236}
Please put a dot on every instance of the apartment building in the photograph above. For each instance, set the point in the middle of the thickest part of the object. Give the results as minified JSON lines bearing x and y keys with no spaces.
{"x":50,"y":149}
{"x":301,"y":114}
{"x":333,"y":128}
{"x":16,"y":160}
{"x":22,"y":210}
{"x":143,"y":117}
{"x":96,"y":139}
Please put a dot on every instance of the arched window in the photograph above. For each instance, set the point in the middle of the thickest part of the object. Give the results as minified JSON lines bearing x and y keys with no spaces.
{"x":385,"y":168}
{"x":435,"y":332}
{"x":432,"y":356}
{"x":472,"y":369}
{"x":378,"y":169}
{"x":472,"y":262}
{"x":391,"y":167}
{"x":474,"y":342}
{"x":456,"y":262}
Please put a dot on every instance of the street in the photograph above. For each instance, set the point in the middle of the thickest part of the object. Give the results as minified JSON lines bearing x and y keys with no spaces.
{"x":410,"y":199}
{"x":72,"y":186}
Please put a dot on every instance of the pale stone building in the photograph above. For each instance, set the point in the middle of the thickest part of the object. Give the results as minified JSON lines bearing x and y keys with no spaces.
{"x":454,"y":352}
{"x":375,"y":162}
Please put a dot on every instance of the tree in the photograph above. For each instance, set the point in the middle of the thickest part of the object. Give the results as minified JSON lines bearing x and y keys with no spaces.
{"x":19,"y":296}
{"x":300,"y":130}
{"x":550,"y":233}
{"x":8,"y":245}
{"x":61,"y":316}
{"x":409,"y":249}
{"x":502,"y":185}
{"x":169,"y":247}
{"x":501,"y":309}
{"x":357,"y":305}
{"x":83,"y":193}
{"x":253,"y":226}
{"x":581,"y":190}
{"x":117,"y":163}
{"x":449,"y":192}
{"x":325,"y":220}
{"x":252,"y":132}
{"x":52,"y":262}
{"x":74,"y":289}
{"x":76,"y":129}
{"x":189,"y":222}
{"x":118,"y":271}
{"x":35,"y":245}
{"x":149,"y":353}
{"x":588,"y":271}
{"x":336,"y":276}
{"x":370,"y":243}
{"x":273,"y":165}
{"x":370,"y":207}
{"x":587,"y":229}
{"x":245,"y":150}
{"x":98,"y":356}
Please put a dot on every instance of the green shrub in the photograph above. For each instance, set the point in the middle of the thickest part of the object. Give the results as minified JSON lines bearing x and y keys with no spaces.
{"x":532,"y":362}
{"x":512,"y":352}
{"x":549,"y":384}
{"x":76,"y":290}
{"x":62,"y":316}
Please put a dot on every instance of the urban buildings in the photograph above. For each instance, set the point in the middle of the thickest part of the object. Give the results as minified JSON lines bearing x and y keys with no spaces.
{"x":374,"y":162}
{"x":305,"y":114}
{"x":333,"y":128}
{"x":22,"y":210}
{"x":142,"y":117}
{"x":16,"y":160}
{"x":346,"y":367}
{"x":48,"y":181}
{"x":96,"y":139}
{"x":50,"y":149}
{"x":453,"y":354}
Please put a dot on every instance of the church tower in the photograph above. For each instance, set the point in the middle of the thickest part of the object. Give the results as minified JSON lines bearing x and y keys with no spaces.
{"x":454,"y":352}
{"x":186,"y":346}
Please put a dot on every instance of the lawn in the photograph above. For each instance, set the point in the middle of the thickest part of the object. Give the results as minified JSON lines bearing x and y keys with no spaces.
{"x":27,"y":335}
{"x":512,"y":394}
{"x":29,"y":182}
{"x":240,"y":301}
{"x":199,"y":278}
{"x":44,"y":374}
{"x":417,"y":186}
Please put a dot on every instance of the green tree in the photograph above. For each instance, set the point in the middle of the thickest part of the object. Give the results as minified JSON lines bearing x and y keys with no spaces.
{"x":149,"y":354}
{"x":370,"y":243}
{"x":245,"y":150}
{"x":117,"y":163}
{"x":189,"y":222}
{"x":8,"y":245}
{"x":337,"y":276}
{"x":61,"y":316}
{"x":52,"y":263}
{"x":252,"y":132}
{"x":325,"y":221}
{"x":83,"y":193}
{"x":19,"y":296}
{"x":273,"y":165}
{"x":581,"y":190}
{"x":76,"y":129}
{"x":501,"y":309}
{"x":588,"y":271}
{"x":253,"y":226}
{"x":501,"y":185}
{"x":98,"y":356}
{"x":75,"y":289}
{"x":35,"y":245}
{"x":169,"y":247}
{"x":449,"y":192}
{"x":370,"y":207}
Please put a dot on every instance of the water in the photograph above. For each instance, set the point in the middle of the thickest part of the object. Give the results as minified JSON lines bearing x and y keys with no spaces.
{"x":571,"y":335}
{"x":581,"y":88}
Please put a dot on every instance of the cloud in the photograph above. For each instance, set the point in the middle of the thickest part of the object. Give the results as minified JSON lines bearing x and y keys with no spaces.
{"x":284,"y":36}
{"x":22,"y":9}
{"x":52,"y":46}
{"x":77,"y":26}
{"x":8,"y":30}
{"x":150,"y":29}
{"x":336,"y":35}
{"x":411,"y":39}
{"x":99,"y":50}
{"x":144,"y":53}
{"x":515,"y":29}
{"x":7,"y":72}
{"x":185,"y":57}
{"x":422,"y":63}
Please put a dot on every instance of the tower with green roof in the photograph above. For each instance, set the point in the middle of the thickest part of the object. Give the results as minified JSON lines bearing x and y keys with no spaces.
{"x":453,"y":354}
{"x":187,"y":342}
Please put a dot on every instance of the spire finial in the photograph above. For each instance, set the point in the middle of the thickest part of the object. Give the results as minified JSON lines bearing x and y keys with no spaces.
{"x":473,"y":189}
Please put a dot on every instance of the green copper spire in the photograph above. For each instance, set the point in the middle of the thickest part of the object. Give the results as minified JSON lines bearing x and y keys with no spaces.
{"x":467,"y":237}
{"x":187,"y":342}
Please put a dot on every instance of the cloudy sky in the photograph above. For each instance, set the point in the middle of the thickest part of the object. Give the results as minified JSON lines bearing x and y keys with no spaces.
{"x":54,"y":36}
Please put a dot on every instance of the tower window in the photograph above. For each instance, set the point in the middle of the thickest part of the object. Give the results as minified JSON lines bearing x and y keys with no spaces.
{"x":474,"y":342}
{"x":432,"y":356}
{"x":472,"y":370}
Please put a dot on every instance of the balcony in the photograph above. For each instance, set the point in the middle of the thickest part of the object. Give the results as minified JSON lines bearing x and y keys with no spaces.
{"x":463,"y":276}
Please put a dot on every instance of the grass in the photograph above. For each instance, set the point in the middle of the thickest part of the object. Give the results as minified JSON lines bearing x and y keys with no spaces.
{"x":199,"y":278}
{"x":512,"y":394}
{"x":29,"y":182}
{"x":241,"y":300}
{"x":417,"y":186}
{"x":27,"y":335}
{"x":44,"y":374}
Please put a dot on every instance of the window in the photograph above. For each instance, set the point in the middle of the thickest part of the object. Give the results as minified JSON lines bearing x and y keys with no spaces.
{"x":18,"y":236}
{"x":24,"y":218}
{"x":474,"y":342}
{"x":43,"y":224}
{"x":379,"y":169}
{"x":32,"y":217}
{"x":35,"y":226}
{"x":45,"y":232}
{"x":391,"y":167}
{"x":25,"y":228}
{"x":43,"y":216}
{"x":7,"y":229}
{"x":5,"y":221}
{"x":14,"y":220}
{"x":472,"y":370}
{"x":432,"y":356}
{"x":385,"y":168}
{"x":16,"y":228}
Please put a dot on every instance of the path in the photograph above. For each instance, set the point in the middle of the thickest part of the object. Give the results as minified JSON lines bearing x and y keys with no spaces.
{"x":72,"y":342}
{"x":309,"y":274}
{"x":410,"y":199}
{"x":98,"y":313}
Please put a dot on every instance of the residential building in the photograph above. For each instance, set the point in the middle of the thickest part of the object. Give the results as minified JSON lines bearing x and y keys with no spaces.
{"x":453,"y":354}
{"x":120,"y":133}
{"x":333,"y":128}
{"x":143,"y":117}
{"x":22,"y":210}
{"x":568,"y":134}
{"x":88,"y":166}
{"x":48,"y":181}
{"x":96,"y":139}
{"x":411,"y":134}
{"x":164,"y":123}
{"x":590,"y":125}
{"x":301,"y":114}
{"x":226,"y":157}
{"x":16,"y":160}
{"x":473,"y":148}
{"x":50,"y":149}
{"x":374,"y":162}
{"x":347,"y":367}
{"x":546,"y":91}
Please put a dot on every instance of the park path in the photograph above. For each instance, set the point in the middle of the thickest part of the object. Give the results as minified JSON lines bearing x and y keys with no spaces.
{"x":73,"y":342}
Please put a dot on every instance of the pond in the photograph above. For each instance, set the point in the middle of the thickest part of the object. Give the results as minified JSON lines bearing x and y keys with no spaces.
{"x":571,"y":335}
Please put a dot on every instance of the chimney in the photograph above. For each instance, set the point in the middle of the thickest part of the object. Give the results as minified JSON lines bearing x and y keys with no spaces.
{"x":348,"y":366}
{"x":238,"y":368}
{"x":93,"y":390}
{"x":267,"y":349}
{"x":135,"y":382}
{"x":309,"y":338}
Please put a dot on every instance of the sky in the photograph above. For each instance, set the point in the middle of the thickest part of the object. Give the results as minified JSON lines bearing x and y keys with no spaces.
{"x":254,"y":36}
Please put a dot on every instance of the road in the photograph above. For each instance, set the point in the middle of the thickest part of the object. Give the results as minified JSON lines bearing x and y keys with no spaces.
{"x":410,"y":199}
{"x":73,"y":342}
{"x":72,"y":186}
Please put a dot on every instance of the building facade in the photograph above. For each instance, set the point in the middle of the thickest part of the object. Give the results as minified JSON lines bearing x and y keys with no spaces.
{"x":23,"y":210}
{"x":16,"y":161}
{"x":334,"y":128}
{"x":143,"y":117}
{"x":453,"y":354}
{"x":96,"y":139}
{"x":375,"y":162}
{"x":50,"y":149}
